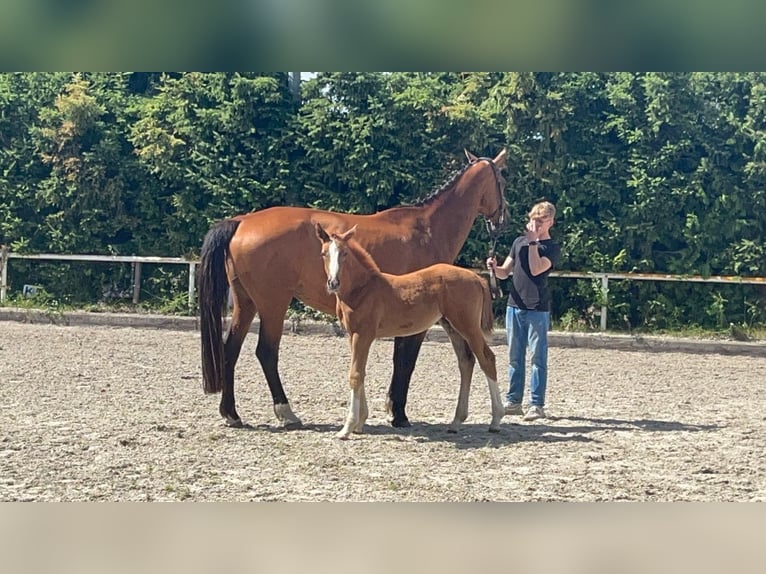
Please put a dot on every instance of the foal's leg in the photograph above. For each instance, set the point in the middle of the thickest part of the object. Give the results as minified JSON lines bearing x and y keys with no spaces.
{"x":406,"y":350}
{"x":466,"y":362}
{"x":363,"y":411}
{"x":269,"y":336}
{"x":360,"y":349}
{"x":488,"y":364}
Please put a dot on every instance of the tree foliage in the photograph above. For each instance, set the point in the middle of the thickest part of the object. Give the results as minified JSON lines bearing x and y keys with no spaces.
{"x":652,"y":172}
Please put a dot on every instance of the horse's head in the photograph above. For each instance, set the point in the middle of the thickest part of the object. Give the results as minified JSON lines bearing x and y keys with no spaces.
{"x":334,"y":250}
{"x":494,"y":206}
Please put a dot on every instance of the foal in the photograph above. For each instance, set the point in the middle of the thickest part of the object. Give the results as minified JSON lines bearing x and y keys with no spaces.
{"x":371,"y":305}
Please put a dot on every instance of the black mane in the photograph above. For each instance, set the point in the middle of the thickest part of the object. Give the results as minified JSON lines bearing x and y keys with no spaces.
{"x":449,"y":184}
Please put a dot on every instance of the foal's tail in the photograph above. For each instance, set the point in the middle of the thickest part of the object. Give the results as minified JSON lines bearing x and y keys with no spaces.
{"x":212,"y":289}
{"x":487,"y":314}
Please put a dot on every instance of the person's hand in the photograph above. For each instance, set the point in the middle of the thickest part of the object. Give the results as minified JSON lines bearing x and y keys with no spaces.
{"x":491,"y":263}
{"x":532,"y":233}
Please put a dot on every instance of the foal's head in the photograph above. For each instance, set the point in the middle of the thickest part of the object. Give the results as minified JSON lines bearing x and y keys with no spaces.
{"x":334,"y":250}
{"x":337,"y":248}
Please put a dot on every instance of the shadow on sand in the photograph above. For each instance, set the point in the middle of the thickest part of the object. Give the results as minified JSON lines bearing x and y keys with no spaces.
{"x":474,"y":435}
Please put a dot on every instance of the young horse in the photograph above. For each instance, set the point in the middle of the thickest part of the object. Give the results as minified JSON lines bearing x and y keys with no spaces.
{"x":371,"y":305}
{"x":240,"y":253}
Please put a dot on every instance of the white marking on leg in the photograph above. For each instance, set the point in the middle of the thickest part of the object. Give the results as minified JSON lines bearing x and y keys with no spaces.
{"x":363,"y":411}
{"x":352,"y":418}
{"x":497,"y":405}
{"x":285,"y":415}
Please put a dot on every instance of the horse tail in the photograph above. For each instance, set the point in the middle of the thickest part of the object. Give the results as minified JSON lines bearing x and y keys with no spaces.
{"x":212,"y":292}
{"x":487,"y":314}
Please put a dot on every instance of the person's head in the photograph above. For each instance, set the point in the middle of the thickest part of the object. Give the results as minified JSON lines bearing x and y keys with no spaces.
{"x":543,"y":215}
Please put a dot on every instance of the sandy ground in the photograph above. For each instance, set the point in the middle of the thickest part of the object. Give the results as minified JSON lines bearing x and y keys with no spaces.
{"x":101,"y":413}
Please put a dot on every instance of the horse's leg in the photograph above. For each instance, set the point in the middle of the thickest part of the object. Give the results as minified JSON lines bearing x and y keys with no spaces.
{"x":466,"y":362}
{"x":360,"y":349}
{"x":363,"y":410}
{"x":269,"y":336}
{"x":242,"y":315}
{"x":406,"y":350}
{"x":488,"y":365}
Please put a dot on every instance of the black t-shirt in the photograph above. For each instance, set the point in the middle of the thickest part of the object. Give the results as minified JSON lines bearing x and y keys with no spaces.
{"x":528,"y":292}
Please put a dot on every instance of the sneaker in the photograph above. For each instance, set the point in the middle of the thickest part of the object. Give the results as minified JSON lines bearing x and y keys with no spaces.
{"x":535,"y":412}
{"x":513,"y":409}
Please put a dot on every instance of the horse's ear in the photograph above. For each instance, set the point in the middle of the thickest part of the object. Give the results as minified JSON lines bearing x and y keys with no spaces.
{"x":348,"y":234}
{"x":499,"y":161}
{"x":321,"y":233}
{"x":471,"y":158}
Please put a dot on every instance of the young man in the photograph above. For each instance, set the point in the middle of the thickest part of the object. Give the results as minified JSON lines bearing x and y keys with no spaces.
{"x":527,"y":319}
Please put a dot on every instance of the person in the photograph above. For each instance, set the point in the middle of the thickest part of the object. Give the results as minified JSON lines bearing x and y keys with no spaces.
{"x":527,"y":320}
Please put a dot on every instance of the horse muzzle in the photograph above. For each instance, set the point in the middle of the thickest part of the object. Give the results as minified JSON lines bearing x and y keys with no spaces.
{"x":496,"y":227}
{"x":333,"y":285}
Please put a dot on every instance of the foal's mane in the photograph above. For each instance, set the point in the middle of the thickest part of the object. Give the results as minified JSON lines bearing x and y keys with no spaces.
{"x":363,"y":256}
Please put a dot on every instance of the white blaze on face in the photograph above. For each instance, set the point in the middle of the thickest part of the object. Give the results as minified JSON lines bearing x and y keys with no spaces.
{"x":333,"y":267}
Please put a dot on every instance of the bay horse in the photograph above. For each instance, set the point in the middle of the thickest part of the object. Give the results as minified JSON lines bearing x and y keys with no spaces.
{"x":239,"y":256}
{"x":371,"y":305}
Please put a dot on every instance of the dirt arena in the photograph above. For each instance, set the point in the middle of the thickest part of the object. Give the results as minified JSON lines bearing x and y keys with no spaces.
{"x":113,"y":414}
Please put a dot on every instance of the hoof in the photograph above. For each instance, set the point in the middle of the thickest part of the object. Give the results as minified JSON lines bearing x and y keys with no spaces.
{"x":451,"y":430}
{"x":342,"y":436}
{"x":287,"y":417}
{"x":493,"y":429}
{"x":401,"y":423}
{"x":233,"y":423}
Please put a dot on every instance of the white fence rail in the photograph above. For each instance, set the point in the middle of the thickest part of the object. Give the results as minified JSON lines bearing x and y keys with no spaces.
{"x":604,"y":278}
{"x":5,"y":256}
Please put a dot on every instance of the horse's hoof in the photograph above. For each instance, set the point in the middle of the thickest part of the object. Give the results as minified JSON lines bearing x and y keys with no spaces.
{"x":342,"y":436}
{"x":286,"y":416}
{"x":401,"y":423}
{"x":493,"y":429}
{"x":451,"y":430}
{"x":233,"y":423}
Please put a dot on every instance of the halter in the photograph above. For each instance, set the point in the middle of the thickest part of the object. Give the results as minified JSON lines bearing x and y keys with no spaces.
{"x":494,"y":230}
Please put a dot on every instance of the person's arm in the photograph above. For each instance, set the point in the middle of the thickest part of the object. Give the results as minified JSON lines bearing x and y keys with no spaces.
{"x":537,"y":264}
{"x":501,"y":271}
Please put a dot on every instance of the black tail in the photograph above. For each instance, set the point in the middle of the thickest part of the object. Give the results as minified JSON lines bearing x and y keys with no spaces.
{"x":212,"y":290}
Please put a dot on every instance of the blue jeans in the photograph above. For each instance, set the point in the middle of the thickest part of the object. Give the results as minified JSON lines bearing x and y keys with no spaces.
{"x":527,"y":329}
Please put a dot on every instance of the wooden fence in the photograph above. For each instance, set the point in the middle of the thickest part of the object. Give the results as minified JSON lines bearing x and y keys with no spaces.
{"x":6,"y":256}
{"x":604,"y":278}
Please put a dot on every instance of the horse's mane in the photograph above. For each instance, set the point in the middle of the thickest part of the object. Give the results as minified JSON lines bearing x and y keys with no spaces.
{"x":363,"y":256}
{"x":449,"y":184}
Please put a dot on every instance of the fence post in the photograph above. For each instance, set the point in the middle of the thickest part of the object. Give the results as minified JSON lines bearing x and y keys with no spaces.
{"x":605,"y":294}
{"x":192,"y":270}
{"x":3,"y":271}
{"x":136,"y":282}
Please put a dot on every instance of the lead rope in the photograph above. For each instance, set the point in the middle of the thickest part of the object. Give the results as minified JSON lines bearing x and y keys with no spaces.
{"x":494,"y":288}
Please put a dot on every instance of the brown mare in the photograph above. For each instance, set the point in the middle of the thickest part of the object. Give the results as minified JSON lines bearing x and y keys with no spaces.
{"x":267,"y":257}
{"x":372,"y":305}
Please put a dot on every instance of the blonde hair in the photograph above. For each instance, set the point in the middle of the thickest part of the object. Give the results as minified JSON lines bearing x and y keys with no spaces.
{"x":543,"y":209}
